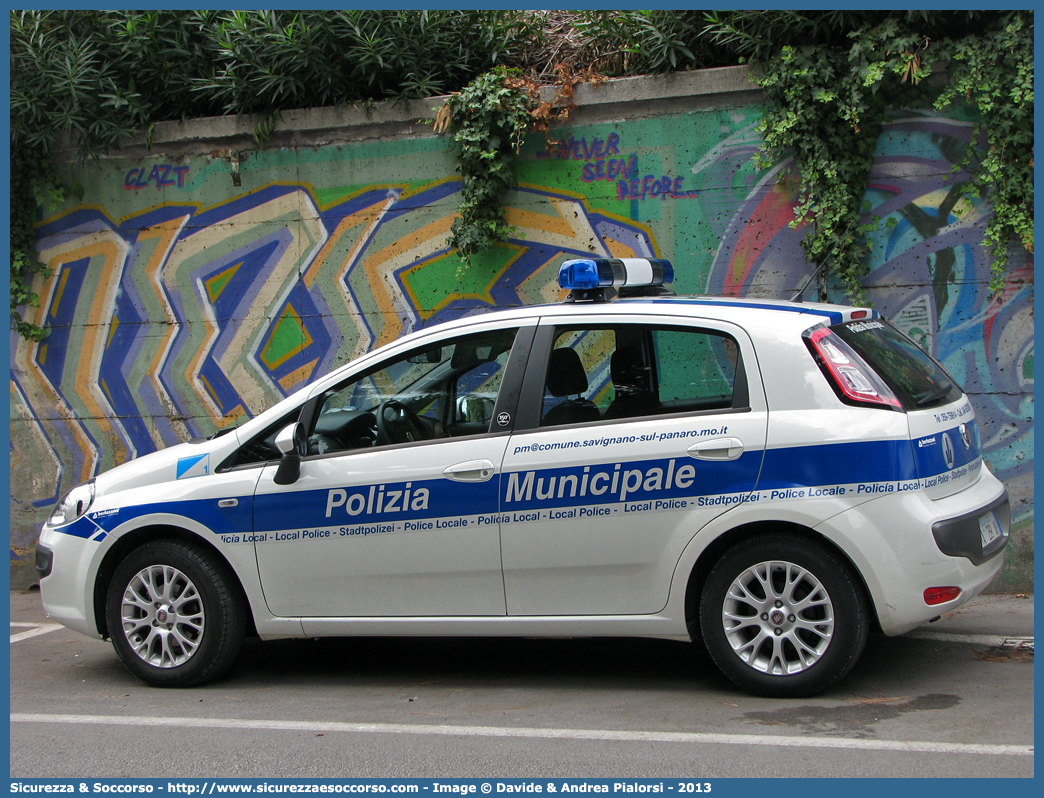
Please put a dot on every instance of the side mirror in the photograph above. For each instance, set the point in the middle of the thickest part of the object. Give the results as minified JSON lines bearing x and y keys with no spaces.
{"x":292,"y":443}
{"x":474,"y":408}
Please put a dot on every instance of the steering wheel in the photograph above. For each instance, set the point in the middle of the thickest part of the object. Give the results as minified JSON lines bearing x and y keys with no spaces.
{"x":396,"y":423}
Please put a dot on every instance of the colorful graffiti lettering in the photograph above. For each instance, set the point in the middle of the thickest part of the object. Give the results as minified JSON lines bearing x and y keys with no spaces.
{"x":570,"y":148}
{"x":652,"y":187}
{"x":598,"y":166}
{"x":609,"y":169}
{"x":622,"y":171}
{"x":196,"y":317}
{"x":160,"y":176}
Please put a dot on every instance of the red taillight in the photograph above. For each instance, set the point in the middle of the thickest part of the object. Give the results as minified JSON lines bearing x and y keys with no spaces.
{"x":851,"y":376}
{"x":940,"y":595}
{"x":859,"y":314}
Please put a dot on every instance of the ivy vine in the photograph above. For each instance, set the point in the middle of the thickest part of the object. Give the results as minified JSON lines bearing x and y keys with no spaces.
{"x":30,"y":182}
{"x":488,"y":121}
{"x":995,"y":72}
{"x":827,"y":106}
{"x":810,"y":89}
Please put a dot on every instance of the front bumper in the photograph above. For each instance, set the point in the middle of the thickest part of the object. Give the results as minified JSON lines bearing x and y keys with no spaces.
{"x":68,"y":589}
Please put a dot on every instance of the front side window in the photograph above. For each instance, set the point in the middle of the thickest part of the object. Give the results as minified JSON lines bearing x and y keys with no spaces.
{"x":630,"y":371}
{"x":446,"y":390}
{"x":262,"y":448}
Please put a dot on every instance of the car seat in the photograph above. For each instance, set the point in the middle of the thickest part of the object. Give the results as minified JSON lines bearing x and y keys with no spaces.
{"x":631,"y":380}
{"x":566,"y":377}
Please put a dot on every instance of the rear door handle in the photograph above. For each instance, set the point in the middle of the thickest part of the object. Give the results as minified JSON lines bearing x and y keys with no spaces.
{"x":717,"y":449}
{"x":471,"y":471}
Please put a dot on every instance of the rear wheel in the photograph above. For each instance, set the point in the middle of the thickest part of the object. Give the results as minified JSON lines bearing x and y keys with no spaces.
{"x":783,"y":616}
{"x":174,"y":614}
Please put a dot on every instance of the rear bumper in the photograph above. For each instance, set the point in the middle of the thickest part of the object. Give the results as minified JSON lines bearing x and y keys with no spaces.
{"x":962,"y":536}
{"x":894,"y":541}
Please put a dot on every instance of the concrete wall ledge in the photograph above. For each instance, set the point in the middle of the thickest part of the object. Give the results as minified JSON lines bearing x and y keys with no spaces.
{"x":315,"y":127}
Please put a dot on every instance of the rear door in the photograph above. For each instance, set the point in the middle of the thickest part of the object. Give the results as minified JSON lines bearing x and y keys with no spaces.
{"x":622,"y":451}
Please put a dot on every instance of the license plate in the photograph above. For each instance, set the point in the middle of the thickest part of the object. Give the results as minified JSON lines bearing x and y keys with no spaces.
{"x":989,"y":529}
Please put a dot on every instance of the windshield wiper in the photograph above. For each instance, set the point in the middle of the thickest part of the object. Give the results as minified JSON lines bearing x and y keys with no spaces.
{"x":934,"y":396}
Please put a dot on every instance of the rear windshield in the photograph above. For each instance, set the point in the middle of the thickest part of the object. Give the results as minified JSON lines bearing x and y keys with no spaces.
{"x":917,"y":380}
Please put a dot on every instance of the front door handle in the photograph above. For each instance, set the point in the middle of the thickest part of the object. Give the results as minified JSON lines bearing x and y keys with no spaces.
{"x":717,"y":449}
{"x":471,"y":471}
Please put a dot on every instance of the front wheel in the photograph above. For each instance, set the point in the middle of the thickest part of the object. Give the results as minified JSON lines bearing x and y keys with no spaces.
{"x":783,"y":616}
{"x":175,"y":614}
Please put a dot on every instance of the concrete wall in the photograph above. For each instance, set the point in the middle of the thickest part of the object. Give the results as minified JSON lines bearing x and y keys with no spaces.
{"x":197,"y":283}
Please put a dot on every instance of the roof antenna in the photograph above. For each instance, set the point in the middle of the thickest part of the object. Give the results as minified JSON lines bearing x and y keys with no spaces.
{"x":799,"y":296}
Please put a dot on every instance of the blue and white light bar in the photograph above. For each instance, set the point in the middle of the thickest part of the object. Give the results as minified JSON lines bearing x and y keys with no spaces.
{"x":590,"y":273}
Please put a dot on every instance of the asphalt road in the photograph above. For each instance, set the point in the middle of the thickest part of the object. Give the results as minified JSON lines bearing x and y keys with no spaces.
{"x":925,"y":706}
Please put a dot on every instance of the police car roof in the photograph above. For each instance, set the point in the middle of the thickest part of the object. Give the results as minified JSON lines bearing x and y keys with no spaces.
{"x":721,"y":308}
{"x":778,"y":316}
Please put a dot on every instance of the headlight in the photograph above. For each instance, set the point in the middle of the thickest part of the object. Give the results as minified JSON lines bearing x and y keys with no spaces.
{"x":76,"y":503}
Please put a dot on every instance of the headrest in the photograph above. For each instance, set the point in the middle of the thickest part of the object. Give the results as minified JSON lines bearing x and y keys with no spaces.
{"x":565,"y":373}
{"x":627,"y":370}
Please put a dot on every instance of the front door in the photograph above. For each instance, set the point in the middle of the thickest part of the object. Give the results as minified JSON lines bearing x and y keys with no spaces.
{"x":394,"y":511}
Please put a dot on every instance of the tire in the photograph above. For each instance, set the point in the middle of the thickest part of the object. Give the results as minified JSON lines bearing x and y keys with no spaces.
{"x":783,"y":616}
{"x":175,"y":614}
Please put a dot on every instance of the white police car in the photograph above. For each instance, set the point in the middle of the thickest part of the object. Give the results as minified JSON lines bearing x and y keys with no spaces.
{"x":772,"y":477}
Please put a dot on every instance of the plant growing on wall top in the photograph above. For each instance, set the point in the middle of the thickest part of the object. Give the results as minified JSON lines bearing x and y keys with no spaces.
{"x":488,"y":121}
{"x":100,"y":77}
{"x":831,"y":79}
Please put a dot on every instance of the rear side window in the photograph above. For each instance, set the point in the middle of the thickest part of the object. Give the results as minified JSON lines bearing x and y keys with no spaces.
{"x":694,"y":365}
{"x":916,"y":379}
{"x":626,"y":371}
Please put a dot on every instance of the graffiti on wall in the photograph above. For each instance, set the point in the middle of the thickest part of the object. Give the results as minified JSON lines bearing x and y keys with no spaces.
{"x":602,"y":161}
{"x":158,"y":176}
{"x":179,"y":318}
{"x":928,"y":273}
